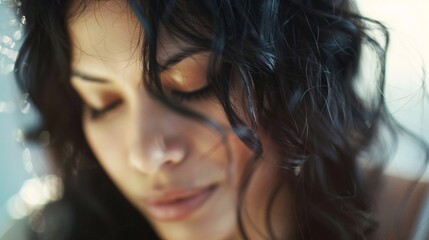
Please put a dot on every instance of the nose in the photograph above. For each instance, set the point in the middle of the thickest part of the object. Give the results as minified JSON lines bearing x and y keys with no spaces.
{"x":156,"y":141}
{"x":158,"y":154}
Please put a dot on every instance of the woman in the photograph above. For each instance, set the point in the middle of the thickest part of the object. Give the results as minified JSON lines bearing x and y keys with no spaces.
{"x":204,"y":119}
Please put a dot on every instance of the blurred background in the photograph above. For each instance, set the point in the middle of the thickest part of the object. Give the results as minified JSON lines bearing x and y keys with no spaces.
{"x":21,"y":186}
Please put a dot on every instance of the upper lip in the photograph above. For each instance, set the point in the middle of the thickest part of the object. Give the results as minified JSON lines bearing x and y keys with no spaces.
{"x":174,"y":194}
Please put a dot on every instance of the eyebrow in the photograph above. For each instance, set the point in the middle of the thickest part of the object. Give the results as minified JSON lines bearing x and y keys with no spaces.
{"x":89,"y":78}
{"x":170,"y":62}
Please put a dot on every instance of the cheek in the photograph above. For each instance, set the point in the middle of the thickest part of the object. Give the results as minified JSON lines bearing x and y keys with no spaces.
{"x":108,"y":146}
{"x":236,"y":153}
{"x":241,"y":155}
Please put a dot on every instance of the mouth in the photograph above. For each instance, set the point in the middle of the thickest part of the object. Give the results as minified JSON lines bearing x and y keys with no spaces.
{"x":178,"y":204}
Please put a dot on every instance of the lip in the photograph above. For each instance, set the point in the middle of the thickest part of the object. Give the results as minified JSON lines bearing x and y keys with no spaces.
{"x":176,"y":205}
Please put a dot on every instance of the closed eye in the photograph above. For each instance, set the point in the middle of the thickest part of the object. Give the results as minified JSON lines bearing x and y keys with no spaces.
{"x":98,"y":113}
{"x":198,"y":94}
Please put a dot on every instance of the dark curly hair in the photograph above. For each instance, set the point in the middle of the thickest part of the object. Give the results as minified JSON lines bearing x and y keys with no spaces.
{"x":298,"y":62}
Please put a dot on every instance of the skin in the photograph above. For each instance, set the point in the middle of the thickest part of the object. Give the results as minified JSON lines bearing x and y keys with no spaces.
{"x":148,"y":149}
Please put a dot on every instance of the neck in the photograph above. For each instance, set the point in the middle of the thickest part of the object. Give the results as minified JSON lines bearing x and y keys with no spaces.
{"x":268,"y":209}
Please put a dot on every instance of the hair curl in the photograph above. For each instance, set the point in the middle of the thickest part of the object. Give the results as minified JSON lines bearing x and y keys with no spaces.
{"x":297,"y":62}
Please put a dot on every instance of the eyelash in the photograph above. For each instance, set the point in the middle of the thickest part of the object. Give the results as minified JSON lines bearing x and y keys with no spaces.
{"x":182,"y":96}
{"x":194,"y":95}
{"x":97,"y":113}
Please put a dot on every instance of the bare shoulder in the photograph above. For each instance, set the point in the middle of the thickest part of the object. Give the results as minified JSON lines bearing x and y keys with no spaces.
{"x":402,"y":209}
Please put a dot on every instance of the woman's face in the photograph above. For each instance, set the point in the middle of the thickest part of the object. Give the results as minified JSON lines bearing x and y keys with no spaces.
{"x":178,"y":173}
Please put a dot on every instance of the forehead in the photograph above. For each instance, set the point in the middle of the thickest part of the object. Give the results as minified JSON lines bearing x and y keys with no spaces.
{"x":107,"y":34}
{"x":106,"y":31}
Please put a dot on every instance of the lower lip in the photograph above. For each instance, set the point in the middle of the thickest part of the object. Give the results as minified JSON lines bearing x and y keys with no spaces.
{"x":176,"y":211}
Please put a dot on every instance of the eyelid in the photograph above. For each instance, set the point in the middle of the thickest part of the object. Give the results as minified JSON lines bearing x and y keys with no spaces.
{"x":197,"y":94}
{"x":96,"y":113}
{"x":187,"y":80}
{"x":88,"y":78}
